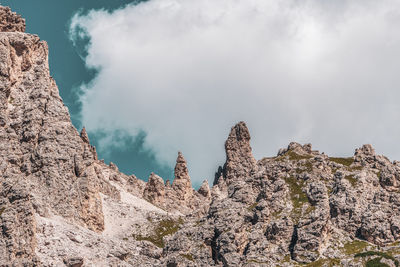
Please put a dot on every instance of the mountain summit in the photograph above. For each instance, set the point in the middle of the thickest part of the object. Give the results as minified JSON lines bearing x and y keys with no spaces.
{"x":61,"y":206}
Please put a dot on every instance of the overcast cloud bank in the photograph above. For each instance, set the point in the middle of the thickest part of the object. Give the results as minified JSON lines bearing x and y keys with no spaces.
{"x":184,"y":71}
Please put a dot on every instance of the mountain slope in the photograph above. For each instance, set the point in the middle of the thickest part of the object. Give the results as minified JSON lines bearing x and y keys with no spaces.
{"x":60,"y":205}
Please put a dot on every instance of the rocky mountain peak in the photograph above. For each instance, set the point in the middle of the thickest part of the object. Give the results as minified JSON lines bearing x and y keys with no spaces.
{"x":296,"y":148}
{"x":155,"y":190}
{"x":182,"y":184}
{"x":204,"y":189}
{"x":84,"y":136}
{"x":11,"y":21}
{"x":60,"y":205}
{"x":365,"y":154}
{"x":181,"y":170}
{"x":239,"y":157}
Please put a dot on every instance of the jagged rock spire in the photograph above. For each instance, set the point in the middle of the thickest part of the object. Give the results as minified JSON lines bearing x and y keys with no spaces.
{"x":204,"y":189}
{"x":239,"y":158}
{"x":181,"y":170}
{"x":365,"y":154}
{"x":182,"y":184}
{"x":84,"y":136}
{"x":11,"y":21}
{"x":154,"y":191}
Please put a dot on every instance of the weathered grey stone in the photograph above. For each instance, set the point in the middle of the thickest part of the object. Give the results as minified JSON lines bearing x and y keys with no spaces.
{"x":60,"y":205}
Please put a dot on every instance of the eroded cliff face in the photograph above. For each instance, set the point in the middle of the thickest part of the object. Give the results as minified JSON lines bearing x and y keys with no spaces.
{"x":300,"y":207}
{"x":60,"y":205}
{"x":46,"y":168}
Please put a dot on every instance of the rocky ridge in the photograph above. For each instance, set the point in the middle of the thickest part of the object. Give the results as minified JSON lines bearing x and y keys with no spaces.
{"x":62,"y":206}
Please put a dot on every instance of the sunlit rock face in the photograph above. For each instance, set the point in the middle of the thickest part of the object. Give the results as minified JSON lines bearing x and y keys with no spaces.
{"x":10,"y":21}
{"x":60,"y":205}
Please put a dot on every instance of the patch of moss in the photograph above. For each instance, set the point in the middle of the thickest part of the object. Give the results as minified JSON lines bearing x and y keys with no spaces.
{"x":266,"y":159}
{"x":297,"y":196}
{"x":187,"y":256}
{"x":164,"y":228}
{"x":344,"y":161}
{"x":287,"y":258}
{"x":294,"y":156}
{"x":276,"y":214}
{"x":351,"y":179}
{"x":334,"y":262}
{"x":310,"y":209}
{"x":256,"y":261}
{"x":377,"y":260}
{"x":307,"y":167}
{"x":356,"y":168}
{"x":2,"y":210}
{"x":252,"y":206}
{"x":324,"y":262}
{"x":199,"y":222}
{"x":356,"y":246}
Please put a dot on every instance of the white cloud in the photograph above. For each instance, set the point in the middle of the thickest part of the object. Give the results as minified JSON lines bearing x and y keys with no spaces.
{"x":184,"y":71}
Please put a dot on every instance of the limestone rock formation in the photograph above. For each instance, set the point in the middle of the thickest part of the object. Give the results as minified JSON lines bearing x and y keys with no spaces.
{"x":182,"y":184}
{"x":61,"y":206}
{"x":204,"y":190}
{"x":10,"y":21}
{"x":155,"y":190}
{"x":239,"y":158}
{"x":180,"y":197}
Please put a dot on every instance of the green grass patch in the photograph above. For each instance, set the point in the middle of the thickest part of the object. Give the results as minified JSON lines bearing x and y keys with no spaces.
{"x":307,"y":167}
{"x":276,"y":214}
{"x":2,"y":210}
{"x":294,"y":156}
{"x":378,"y":259}
{"x":356,"y":168}
{"x":256,"y":261}
{"x":310,"y":209}
{"x":376,"y":263}
{"x":298,"y":197}
{"x":354,"y":247}
{"x":351,"y":179}
{"x":323,"y":262}
{"x":287,"y":258}
{"x":291,"y":155}
{"x":187,"y":256}
{"x":163,"y":228}
{"x":252,"y":206}
{"x":344,"y":161}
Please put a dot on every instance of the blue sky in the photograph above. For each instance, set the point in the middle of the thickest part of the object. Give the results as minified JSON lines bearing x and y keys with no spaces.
{"x":153,"y":78}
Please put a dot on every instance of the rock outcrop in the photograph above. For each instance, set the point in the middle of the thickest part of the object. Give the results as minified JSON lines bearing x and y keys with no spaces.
{"x":61,"y":206}
{"x":180,"y":197}
{"x":182,"y":184}
{"x":154,"y":191}
{"x":239,"y":158}
{"x":10,"y":21}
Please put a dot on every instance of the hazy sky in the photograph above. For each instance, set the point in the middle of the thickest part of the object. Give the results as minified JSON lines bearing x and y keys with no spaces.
{"x":184,"y":71}
{"x":173,"y":75}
